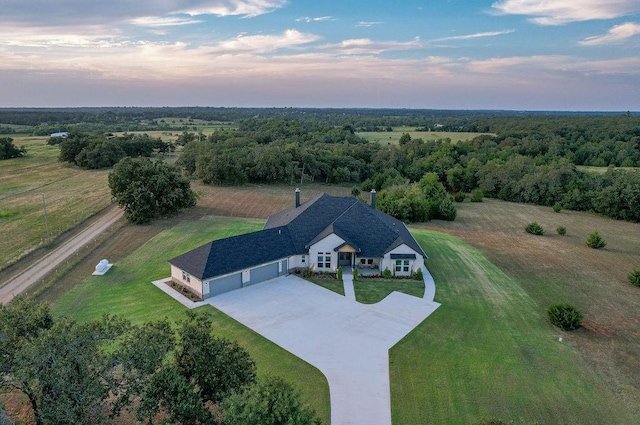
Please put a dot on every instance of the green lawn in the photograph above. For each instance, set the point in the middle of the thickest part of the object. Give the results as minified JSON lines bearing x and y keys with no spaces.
{"x":334,"y":285}
{"x":371,"y":291}
{"x":488,"y":351}
{"x":127,"y":291}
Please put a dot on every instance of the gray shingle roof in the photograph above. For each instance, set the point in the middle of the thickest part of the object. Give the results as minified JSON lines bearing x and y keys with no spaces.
{"x":236,"y":253}
{"x":290,"y":232}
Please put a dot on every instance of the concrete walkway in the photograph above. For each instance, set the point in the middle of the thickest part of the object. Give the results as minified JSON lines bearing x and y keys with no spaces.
{"x":347,"y":341}
{"x":347,"y":282}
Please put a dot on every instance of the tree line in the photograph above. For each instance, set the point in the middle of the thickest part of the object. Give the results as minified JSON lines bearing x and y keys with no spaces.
{"x":521,"y":165}
{"x":95,"y":151}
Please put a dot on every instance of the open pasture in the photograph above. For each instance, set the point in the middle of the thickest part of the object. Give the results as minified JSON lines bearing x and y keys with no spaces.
{"x":386,"y":137}
{"x":72,"y":195}
{"x":553,"y":268}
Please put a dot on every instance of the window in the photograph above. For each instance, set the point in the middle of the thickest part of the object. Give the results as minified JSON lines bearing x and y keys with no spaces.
{"x":363,"y":261}
{"x":324,"y":260}
{"x":304,"y":259}
{"x":398,"y":265}
{"x":405,"y":267}
{"x":186,"y":277}
{"x":370,"y":261}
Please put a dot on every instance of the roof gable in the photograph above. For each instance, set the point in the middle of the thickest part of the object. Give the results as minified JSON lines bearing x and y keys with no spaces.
{"x":236,"y":253}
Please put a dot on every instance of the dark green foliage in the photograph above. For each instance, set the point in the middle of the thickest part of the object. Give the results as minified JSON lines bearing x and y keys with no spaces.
{"x":61,"y":366}
{"x":534,"y":228}
{"x":8,"y":150}
{"x":387,"y":274}
{"x":179,"y":372}
{"x":565,"y":316}
{"x":217,"y":367}
{"x":355,"y":274}
{"x":459,"y":197}
{"x":339,"y":273}
{"x":146,"y":189}
{"x":557,"y":207}
{"x":95,"y":151}
{"x":418,"y":202}
{"x":272,"y":401}
{"x":561,"y":230}
{"x":596,"y":241}
{"x":477,"y":195}
{"x":634,"y":277}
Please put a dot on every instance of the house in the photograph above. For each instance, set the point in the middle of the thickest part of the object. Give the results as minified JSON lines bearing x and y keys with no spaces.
{"x":321,"y":234}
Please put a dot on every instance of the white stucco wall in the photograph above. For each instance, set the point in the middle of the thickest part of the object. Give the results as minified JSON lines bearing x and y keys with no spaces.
{"x":295,"y":262}
{"x":195,"y":284}
{"x":327,"y":244}
{"x":414,"y":265}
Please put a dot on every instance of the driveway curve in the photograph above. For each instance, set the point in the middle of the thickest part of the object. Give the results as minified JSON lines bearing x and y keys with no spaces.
{"x":53,"y":259}
{"x":347,"y":341}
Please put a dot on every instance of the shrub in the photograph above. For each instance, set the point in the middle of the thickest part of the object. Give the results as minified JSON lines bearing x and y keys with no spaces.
{"x":447,"y":211}
{"x":565,"y":316}
{"x":477,"y":195}
{"x":387,"y":273}
{"x":459,"y":197}
{"x":418,"y":275}
{"x":561,"y":230}
{"x":355,"y":274}
{"x":307,"y":272}
{"x":595,"y":241}
{"x":634,"y":277}
{"x":340,"y":273}
{"x":557,"y":207}
{"x":534,"y":228}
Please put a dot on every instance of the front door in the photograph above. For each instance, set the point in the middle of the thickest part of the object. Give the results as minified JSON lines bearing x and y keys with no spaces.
{"x":344,"y":258}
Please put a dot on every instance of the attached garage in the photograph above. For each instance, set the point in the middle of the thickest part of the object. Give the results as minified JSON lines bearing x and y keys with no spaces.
{"x":222,"y":284}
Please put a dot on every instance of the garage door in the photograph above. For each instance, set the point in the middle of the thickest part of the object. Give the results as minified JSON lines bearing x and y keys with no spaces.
{"x":260,"y":274}
{"x":225,"y":284}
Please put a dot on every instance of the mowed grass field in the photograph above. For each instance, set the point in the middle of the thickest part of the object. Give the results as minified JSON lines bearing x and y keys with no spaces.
{"x":554,"y":268}
{"x":72,"y":195}
{"x":127,"y":291}
{"x":386,"y":137}
{"x":488,"y":350}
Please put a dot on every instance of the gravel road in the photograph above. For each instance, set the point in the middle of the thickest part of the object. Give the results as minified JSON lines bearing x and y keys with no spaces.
{"x":49,"y":262}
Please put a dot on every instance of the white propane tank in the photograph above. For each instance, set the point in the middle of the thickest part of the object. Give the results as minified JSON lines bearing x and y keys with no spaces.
{"x":102,"y":265}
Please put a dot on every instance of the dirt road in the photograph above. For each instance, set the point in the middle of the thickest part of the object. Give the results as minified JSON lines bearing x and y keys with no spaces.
{"x":48,"y":263}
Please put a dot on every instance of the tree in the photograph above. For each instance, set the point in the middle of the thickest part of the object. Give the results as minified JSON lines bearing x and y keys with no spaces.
{"x":146,"y":189}
{"x":272,"y":401}
{"x":565,"y":316}
{"x":61,"y":366}
{"x":595,"y":241}
{"x":8,"y":150}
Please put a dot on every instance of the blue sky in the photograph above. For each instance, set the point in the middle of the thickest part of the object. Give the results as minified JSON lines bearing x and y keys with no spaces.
{"x":455,"y":54}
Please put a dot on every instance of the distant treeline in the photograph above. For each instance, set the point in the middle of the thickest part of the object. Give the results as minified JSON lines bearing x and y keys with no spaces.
{"x":96,"y":151}
{"x":520,"y":165}
{"x":46,"y":120}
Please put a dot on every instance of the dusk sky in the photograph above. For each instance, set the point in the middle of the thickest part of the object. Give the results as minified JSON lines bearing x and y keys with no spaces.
{"x":455,"y":54}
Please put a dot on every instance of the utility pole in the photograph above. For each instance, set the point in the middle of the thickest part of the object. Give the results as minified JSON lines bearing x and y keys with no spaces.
{"x":46,"y":219}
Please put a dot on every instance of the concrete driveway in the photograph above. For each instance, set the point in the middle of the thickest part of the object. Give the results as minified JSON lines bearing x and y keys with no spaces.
{"x":347,"y":341}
